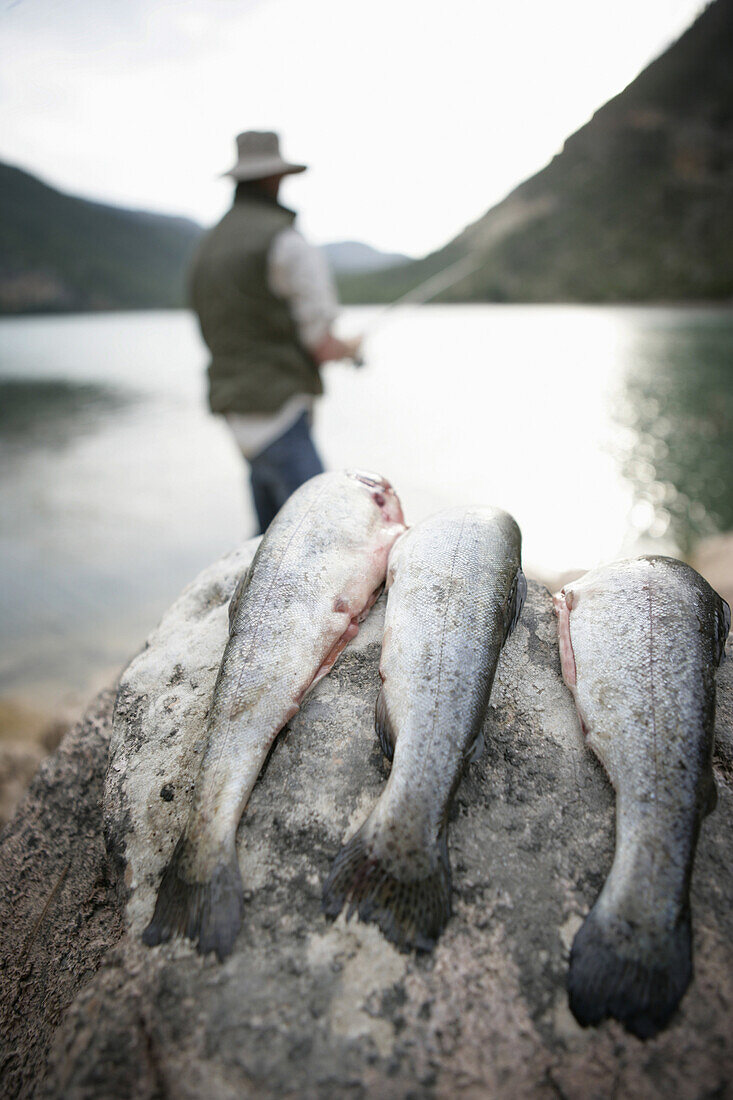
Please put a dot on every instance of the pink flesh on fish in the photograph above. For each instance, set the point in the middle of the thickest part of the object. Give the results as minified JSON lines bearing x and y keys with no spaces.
{"x":319,"y":569}
{"x":563,"y":607}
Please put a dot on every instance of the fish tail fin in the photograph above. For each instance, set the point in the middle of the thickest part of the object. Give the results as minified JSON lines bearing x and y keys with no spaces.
{"x":637,"y":978}
{"x":411,"y":913}
{"x":208,"y":912}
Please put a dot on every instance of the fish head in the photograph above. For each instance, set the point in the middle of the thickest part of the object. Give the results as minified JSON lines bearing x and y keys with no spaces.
{"x":382,"y":494}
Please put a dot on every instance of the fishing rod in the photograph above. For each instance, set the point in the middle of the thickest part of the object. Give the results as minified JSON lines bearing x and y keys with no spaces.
{"x":424,"y":292}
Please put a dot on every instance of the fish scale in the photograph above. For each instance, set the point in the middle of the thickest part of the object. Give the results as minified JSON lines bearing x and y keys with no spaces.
{"x":316,"y":573}
{"x":455,"y":590}
{"x":640,"y":641}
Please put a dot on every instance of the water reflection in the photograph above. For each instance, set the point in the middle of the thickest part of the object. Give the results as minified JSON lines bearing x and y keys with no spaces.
{"x":53,"y":412}
{"x":117,"y":485}
{"x":675,"y":442}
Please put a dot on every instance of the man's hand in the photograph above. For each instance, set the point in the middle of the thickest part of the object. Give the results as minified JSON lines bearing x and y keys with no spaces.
{"x":354,"y":345}
{"x":330,"y":348}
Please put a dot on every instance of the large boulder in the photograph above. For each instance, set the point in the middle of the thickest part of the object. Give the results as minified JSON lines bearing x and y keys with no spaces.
{"x":308,"y":1008}
{"x":59,"y":910}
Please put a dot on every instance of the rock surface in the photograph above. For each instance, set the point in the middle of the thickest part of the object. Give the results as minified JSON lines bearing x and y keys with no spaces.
{"x":311,"y":1009}
{"x":59,"y":913}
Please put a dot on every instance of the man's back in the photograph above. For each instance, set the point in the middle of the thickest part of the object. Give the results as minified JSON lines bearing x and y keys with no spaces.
{"x":258,"y":361}
{"x":266,"y":303}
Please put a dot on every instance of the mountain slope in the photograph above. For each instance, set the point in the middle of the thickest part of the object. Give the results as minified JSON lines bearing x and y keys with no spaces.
{"x":355,"y":256}
{"x":638,"y":206}
{"x":58,"y":252}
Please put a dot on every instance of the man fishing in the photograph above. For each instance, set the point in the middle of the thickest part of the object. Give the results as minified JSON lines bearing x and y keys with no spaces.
{"x":266,"y":304}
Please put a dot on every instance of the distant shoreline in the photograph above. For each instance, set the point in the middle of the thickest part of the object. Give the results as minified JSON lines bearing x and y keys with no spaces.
{"x":702,"y":303}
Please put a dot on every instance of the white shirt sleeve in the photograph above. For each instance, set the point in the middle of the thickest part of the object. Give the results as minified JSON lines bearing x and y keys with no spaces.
{"x":298,"y":272}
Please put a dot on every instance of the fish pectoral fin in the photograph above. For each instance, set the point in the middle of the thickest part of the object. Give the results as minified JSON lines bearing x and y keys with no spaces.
{"x":369,"y":604}
{"x":209,"y":912}
{"x":333,"y":655}
{"x":340,"y":644}
{"x":711,"y":799}
{"x":515,"y":603}
{"x":383,"y":726}
{"x":477,"y":749}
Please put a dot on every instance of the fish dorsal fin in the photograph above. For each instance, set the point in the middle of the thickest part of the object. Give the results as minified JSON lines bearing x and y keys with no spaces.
{"x":236,"y":599}
{"x":515,"y":603}
{"x":383,"y":726}
{"x":723,"y":627}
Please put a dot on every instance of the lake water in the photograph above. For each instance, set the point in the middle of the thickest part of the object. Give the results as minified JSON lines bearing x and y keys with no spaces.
{"x":604,"y":430}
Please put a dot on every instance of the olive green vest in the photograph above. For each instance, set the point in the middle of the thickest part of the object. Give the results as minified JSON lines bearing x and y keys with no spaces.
{"x":257,"y":360}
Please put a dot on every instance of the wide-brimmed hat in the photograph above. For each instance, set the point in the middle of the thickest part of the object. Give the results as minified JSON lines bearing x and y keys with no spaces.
{"x":258,"y":156}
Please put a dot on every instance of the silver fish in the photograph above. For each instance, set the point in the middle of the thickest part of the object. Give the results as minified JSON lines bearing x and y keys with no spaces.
{"x":319,"y":568}
{"x":456,"y":590}
{"x":640,"y":641}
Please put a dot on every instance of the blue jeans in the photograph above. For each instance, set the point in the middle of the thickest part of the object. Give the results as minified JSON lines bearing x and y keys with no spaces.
{"x":281,"y":468}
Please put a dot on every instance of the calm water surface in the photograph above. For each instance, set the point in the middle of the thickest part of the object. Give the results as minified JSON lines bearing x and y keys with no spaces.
{"x":604,"y":430}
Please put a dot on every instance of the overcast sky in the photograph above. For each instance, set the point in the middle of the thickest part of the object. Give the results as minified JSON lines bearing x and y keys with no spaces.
{"x":415,"y":116}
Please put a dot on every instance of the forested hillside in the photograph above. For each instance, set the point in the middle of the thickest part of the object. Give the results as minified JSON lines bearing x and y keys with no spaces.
{"x":61,"y":253}
{"x":638,"y":206}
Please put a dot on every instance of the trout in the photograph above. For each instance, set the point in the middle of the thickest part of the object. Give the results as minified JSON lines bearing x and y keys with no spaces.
{"x":456,"y":590}
{"x":640,"y":641}
{"x":317,"y":572}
